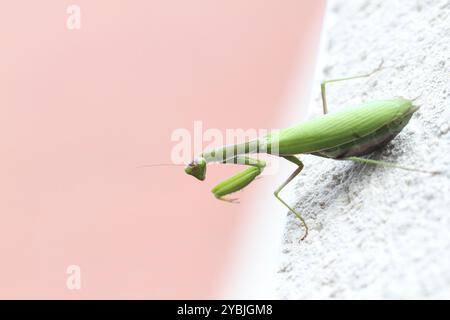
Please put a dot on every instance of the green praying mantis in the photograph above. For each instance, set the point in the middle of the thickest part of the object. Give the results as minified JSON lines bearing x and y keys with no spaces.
{"x":344,"y":135}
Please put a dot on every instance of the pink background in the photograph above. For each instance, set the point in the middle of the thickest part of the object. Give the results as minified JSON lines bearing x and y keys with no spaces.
{"x":79,"y":110}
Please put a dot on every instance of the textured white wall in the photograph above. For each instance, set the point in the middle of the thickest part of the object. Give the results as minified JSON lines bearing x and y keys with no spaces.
{"x":378,"y":232}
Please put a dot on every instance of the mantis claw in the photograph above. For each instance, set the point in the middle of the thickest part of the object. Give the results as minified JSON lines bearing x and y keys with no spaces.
{"x":380,"y":67}
{"x":305,"y":234}
{"x":230,"y":200}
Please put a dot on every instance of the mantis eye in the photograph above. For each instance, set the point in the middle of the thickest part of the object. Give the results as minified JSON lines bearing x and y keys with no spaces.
{"x":197,"y":168}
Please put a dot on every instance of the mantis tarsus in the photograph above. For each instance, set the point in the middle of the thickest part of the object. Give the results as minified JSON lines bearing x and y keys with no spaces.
{"x":343,"y":135}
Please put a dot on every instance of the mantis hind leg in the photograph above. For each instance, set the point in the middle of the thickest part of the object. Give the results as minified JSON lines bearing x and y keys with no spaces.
{"x":278,"y":190}
{"x":389,"y":164}
{"x":323,"y":84}
{"x":239,"y":180}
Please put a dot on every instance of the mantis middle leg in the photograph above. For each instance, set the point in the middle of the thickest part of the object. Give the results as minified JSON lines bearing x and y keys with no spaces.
{"x":278,"y":190}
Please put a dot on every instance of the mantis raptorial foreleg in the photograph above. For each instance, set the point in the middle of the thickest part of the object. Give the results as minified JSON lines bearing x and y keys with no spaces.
{"x":291,"y":177}
{"x":323,"y":84}
{"x":239,"y":180}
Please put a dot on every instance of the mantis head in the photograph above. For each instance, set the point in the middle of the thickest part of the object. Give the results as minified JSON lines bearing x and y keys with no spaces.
{"x":197,"y":168}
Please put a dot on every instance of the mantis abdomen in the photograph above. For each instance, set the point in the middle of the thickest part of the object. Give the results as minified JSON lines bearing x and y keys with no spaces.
{"x":346,"y":128}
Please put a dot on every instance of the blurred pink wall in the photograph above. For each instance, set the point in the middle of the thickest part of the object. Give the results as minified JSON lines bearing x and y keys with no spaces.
{"x":80,"y":109}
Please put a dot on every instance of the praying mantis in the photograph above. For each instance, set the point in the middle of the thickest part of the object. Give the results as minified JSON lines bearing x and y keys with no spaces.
{"x":345,"y":135}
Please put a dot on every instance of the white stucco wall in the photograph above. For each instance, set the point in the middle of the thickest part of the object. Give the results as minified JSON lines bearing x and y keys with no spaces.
{"x":378,"y":232}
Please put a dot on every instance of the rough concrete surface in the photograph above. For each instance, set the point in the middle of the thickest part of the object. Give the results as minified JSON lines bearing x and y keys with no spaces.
{"x":378,"y":232}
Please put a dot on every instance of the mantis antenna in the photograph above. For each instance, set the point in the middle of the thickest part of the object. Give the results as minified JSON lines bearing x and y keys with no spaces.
{"x":159,"y":165}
